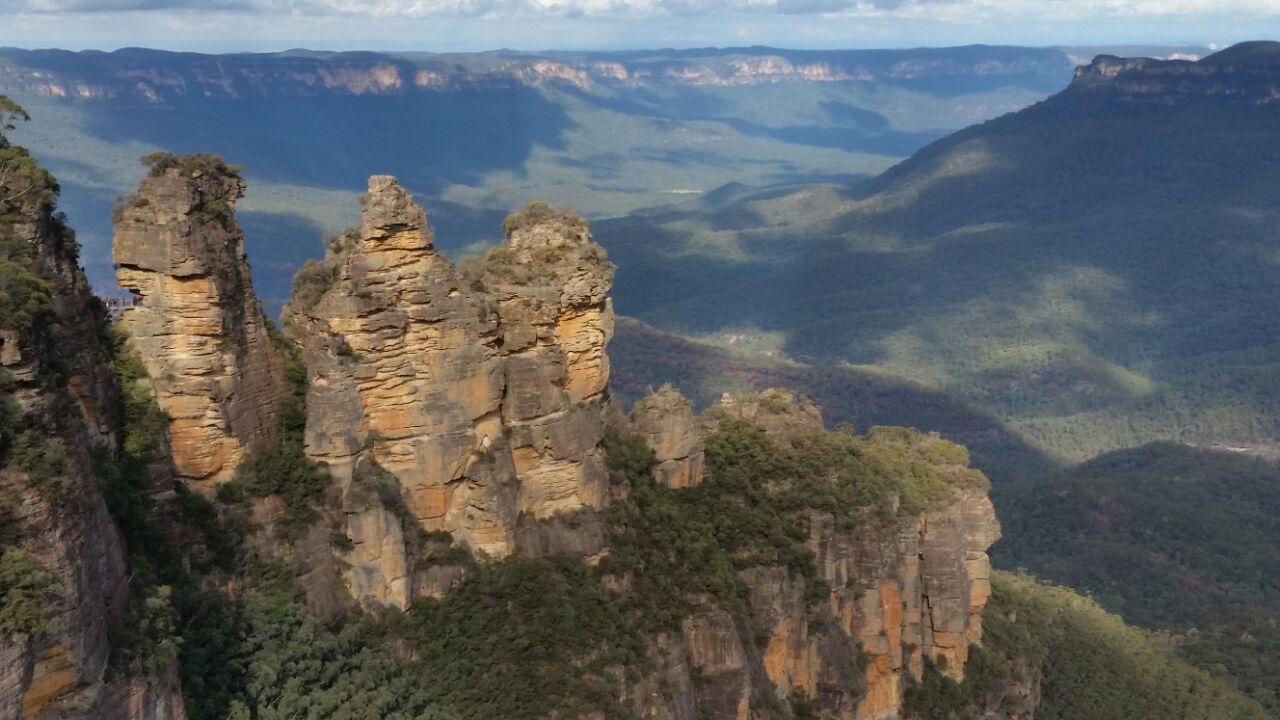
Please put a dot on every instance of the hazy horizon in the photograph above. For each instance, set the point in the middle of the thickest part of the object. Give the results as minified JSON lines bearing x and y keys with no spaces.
{"x":532,"y":25}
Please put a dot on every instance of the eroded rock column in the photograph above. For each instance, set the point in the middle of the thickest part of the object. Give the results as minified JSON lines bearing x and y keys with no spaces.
{"x":478,"y":395}
{"x":198,"y":325}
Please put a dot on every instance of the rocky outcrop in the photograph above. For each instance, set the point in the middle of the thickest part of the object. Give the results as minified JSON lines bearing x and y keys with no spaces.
{"x":914,"y":593}
{"x":197,"y":324}
{"x":895,"y":592}
{"x":1248,"y":73}
{"x":548,"y":286}
{"x":65,"y":583}
{"x":481,"y":395}
{"x":780,"y":413}
{"x":666,"y":421}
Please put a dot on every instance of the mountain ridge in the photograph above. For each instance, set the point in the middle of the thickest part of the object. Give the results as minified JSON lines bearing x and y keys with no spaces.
{"x":150,"y":76}
{"x":1043,"y":265}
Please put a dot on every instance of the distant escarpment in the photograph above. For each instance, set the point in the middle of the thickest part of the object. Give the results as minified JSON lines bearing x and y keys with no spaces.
{"x":1248,"y":72}
{"x":155,"y":77}
{"x":64,"y":583}
{"x":197,"y":325}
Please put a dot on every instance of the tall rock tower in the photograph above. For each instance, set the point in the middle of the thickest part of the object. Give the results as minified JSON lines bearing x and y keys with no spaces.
{"x":477,"y":396}
{"x":198,"y":325}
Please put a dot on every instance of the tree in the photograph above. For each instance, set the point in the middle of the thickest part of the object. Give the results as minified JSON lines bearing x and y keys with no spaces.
{"x":10,"y":111}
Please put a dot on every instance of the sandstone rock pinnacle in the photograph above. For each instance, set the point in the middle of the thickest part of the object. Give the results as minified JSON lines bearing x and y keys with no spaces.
{"x":478,"y":394}
{"x":198,"y":326}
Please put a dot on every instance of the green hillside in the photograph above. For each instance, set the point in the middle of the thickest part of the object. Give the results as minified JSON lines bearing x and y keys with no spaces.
{"x":1092,"y":666}
{"x":1096,"y":271}
{"x":1170,"y":537}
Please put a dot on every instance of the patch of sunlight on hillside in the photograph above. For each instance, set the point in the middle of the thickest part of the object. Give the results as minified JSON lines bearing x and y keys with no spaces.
{"x":1136,"y":383}
{"x":910,"y":354}
{"x":748,"y":341}
{"x":1041,"y":357}
{"x":1023,"y":354}
{"x":613,"y":163}
{"x":1079,"y":437}
{"x":59,"y":138}
{"x":866,"y":242}
{"x":720,"y":245}
{"x":1049,"y":355}
{"x":1256,"y":215}
{"x":806,"y":206}
{"x":972,"y":157}
{"x":980,"y":228}
{"x":57,"y":135}
{"x":1059,"y":305}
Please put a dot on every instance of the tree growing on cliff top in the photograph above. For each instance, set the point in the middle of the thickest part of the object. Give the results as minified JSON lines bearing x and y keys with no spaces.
{"x":10,"y":111}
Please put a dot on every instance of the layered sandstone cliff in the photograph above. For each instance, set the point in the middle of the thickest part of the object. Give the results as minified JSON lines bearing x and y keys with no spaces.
{"x":162,"y":79}
{"x":480,"y":397}
{"x":1247,"y":73}
{"x":197,"y":325}
{"x":894,"y":594}
{"x":63,"y":580}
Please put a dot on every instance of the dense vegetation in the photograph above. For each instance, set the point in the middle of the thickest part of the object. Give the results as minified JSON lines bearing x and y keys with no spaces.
{"x":1090,"y":665}
{"x":1169,"y":537}
{"x":25,"y":188}
{"x":28,"y":592}
{"x":525,"y":638}
{"x":539,"y":212}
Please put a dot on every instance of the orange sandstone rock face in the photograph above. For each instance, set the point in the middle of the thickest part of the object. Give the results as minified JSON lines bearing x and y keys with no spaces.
{"x":898,"y":595}
{"x":478,"y":397}
{"x":896,"y":590}
{"x":199,"y":327}
{"x":915,"y":592}
{"x":665,"y":420}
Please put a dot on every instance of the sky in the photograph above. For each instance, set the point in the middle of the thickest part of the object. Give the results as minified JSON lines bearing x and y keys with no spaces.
{"x":458,"y":25}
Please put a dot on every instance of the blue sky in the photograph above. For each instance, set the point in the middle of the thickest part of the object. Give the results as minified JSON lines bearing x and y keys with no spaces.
{"x":443,"y":25}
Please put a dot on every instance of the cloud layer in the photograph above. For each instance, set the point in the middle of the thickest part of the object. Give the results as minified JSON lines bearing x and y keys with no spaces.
{"x":948,"y":10}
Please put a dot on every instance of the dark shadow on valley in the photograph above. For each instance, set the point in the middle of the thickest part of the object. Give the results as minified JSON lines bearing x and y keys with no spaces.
{"x":427,"y":139}
{"x":645,"y":358}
